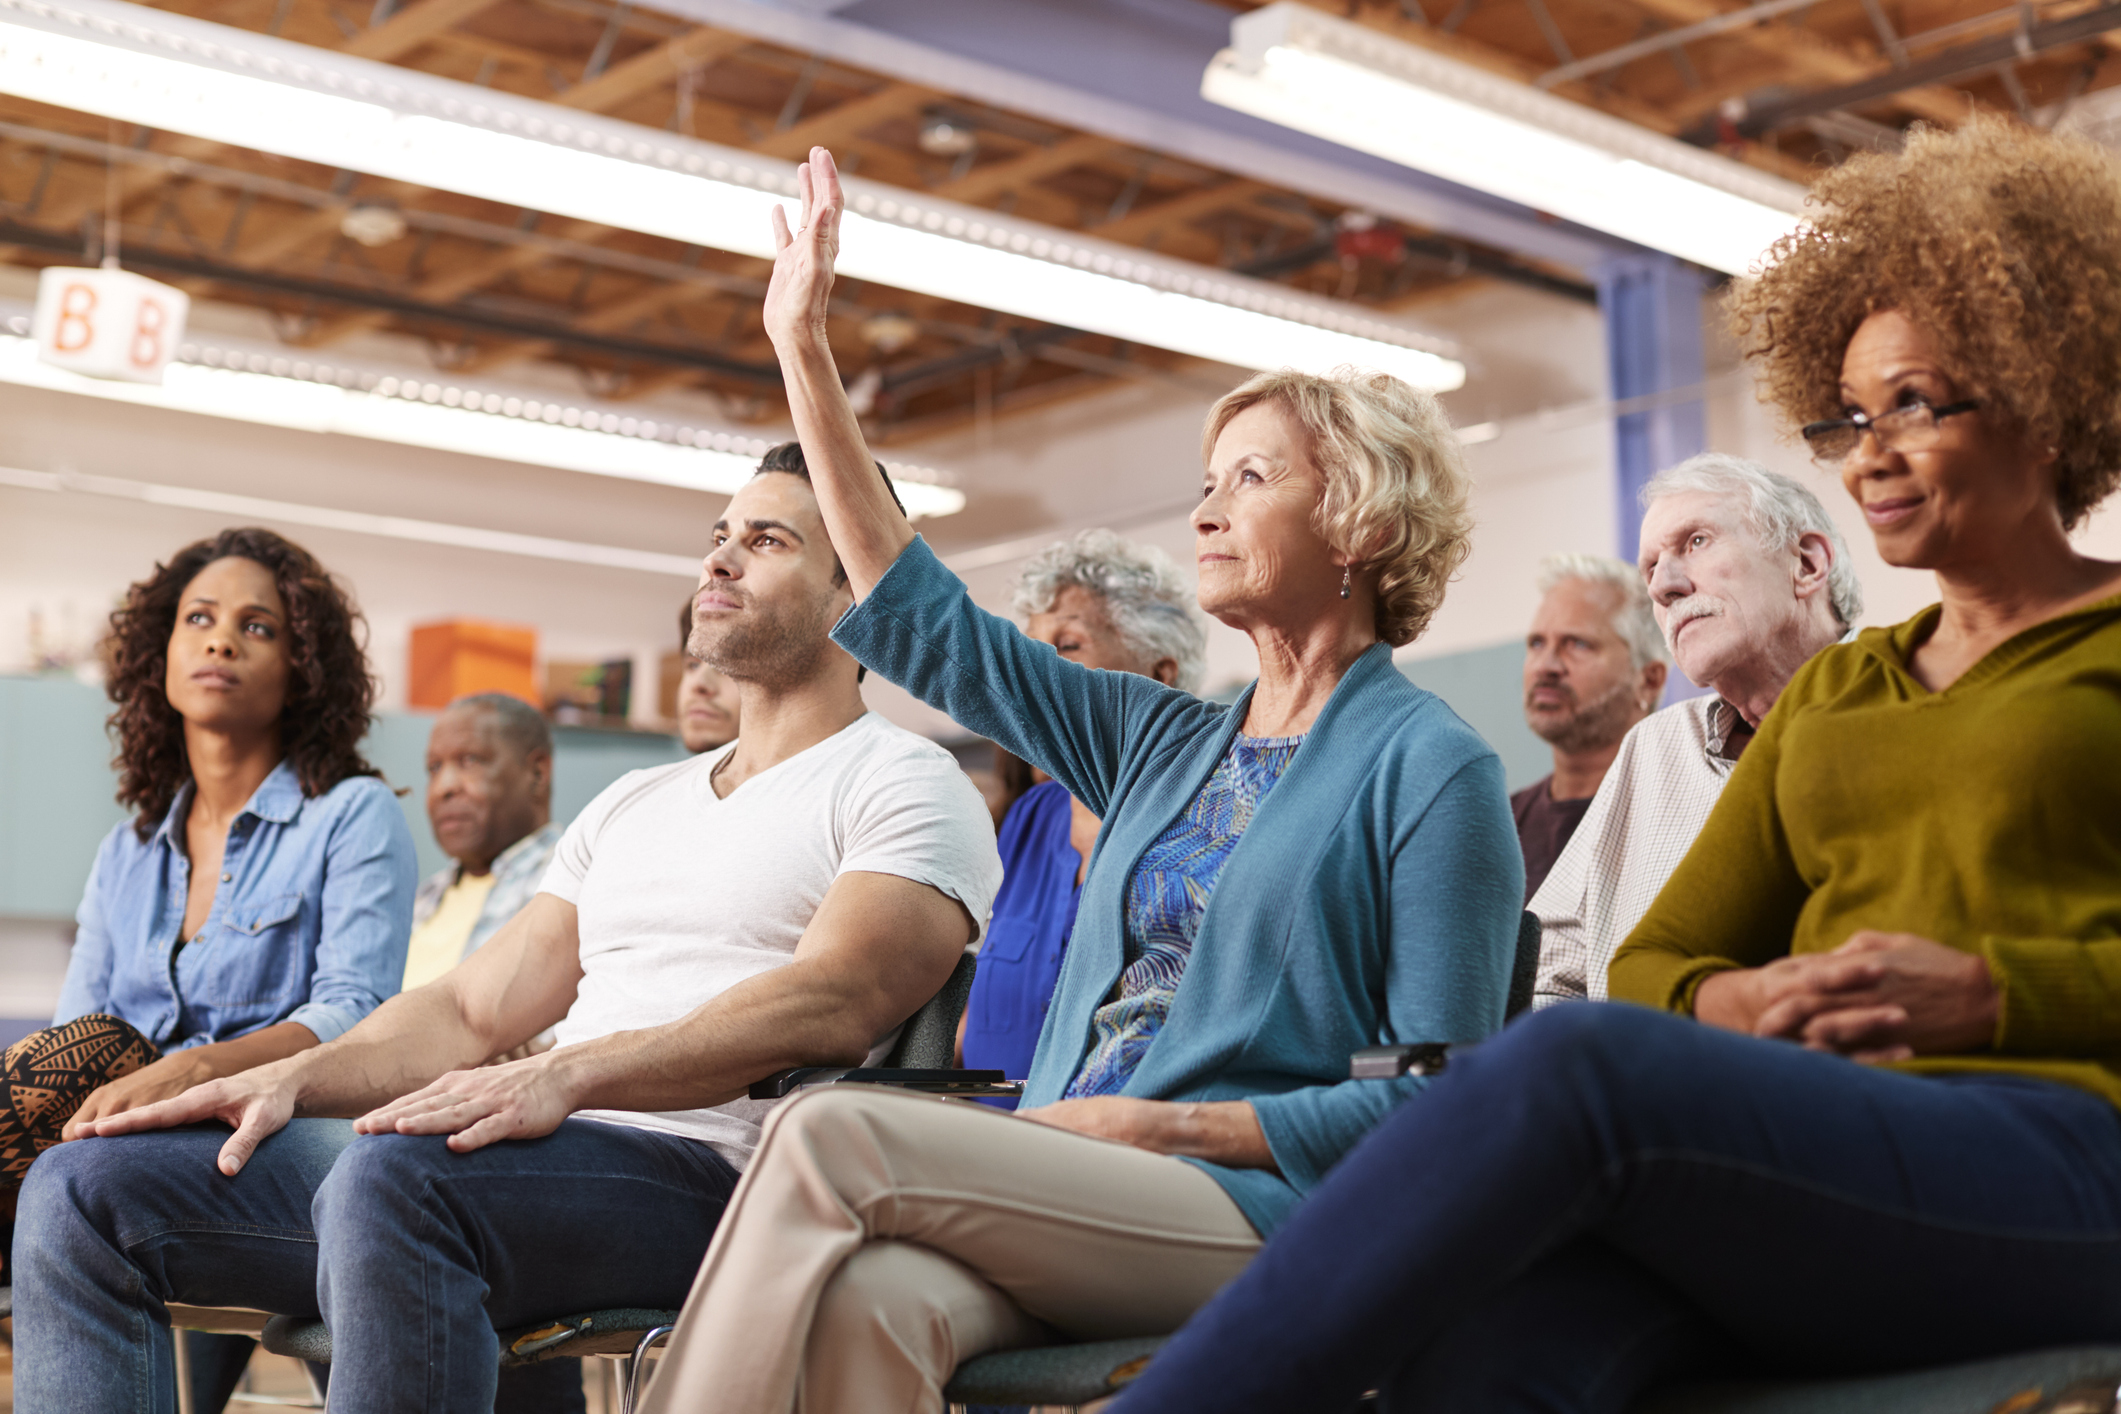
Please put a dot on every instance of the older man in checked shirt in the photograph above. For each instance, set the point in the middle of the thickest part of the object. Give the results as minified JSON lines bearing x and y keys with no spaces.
{"x":1749,"y":578}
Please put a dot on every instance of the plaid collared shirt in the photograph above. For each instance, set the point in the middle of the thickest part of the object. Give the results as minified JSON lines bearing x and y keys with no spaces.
{"x":517,"y":872}
{"x":1650,"y":806}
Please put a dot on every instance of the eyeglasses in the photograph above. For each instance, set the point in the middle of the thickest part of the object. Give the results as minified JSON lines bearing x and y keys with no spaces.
{"x":1912,"y":428}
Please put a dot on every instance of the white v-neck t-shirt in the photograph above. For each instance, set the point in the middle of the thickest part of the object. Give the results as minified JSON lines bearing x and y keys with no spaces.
{"x":681,"y":894}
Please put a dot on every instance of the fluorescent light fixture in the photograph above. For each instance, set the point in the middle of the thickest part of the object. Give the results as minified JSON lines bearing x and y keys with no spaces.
{"x":1353,"y":85}
{"x":425,"y":532}
{"x":279,"y":391}
{"x":210,"y":81}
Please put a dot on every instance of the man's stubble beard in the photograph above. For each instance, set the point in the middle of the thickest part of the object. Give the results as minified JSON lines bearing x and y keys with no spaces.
{"x":1598,"y":723}
{"x":772,"y":648}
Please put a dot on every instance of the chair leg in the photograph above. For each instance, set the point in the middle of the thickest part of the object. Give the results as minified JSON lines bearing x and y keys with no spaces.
{"x":183,"y":1363}
{"x":635,"y":1368}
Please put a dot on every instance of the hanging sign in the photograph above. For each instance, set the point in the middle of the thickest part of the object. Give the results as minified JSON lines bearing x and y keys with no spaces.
{"x":108,"y":323}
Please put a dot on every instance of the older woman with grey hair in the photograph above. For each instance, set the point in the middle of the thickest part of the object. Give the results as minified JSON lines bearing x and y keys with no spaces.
{"x":1107,"y":604}
{"x":1325,"y":864}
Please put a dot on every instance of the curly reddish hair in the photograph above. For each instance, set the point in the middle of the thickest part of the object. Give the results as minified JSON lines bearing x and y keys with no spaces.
{"x":330,"y":691}
{"x":2004,"y":244}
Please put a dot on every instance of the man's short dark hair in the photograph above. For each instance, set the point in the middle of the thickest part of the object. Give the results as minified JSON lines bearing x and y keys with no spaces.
{"x":787,"y":459}
{"x":522,"y":726}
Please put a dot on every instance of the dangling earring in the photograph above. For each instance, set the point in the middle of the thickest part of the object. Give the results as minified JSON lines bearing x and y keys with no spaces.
{"x":1345,"y":572}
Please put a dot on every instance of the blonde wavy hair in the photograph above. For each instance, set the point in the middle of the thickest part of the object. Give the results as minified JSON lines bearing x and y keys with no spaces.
{"x":1396,"y":483}
{"x":2003,"y":244}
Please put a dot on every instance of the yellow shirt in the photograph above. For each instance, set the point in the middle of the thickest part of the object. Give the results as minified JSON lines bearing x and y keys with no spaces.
{"x":438,"y":944}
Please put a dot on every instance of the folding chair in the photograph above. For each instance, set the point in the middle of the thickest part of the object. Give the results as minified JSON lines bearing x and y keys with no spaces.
{"x":919,"y":1060}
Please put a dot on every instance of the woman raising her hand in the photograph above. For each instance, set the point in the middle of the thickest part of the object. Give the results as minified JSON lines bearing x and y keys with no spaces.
{"x":1327,"y":863}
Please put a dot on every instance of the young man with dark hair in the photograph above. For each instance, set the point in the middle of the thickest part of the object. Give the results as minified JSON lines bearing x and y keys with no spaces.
{"x":788,"y":899}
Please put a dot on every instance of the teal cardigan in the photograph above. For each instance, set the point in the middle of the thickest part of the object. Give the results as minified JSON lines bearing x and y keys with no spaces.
{"x":1375,"y":897}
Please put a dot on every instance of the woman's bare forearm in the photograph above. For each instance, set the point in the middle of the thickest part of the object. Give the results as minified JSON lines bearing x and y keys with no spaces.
{"x":1225,"y":1132}
{"x":262,"y":1047}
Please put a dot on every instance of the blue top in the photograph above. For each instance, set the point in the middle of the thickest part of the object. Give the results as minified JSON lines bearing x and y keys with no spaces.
{"x":1021,"y":956}
{"x":309,"y":921}
{"x":1165,"y":902}
{"x":1374,"y":898}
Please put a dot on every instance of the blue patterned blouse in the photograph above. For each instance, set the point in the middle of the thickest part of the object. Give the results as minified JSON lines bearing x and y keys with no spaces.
{"x":1165,"y":900}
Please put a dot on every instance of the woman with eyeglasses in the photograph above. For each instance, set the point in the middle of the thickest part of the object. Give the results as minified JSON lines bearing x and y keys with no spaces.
{"x":1866,"y":1112}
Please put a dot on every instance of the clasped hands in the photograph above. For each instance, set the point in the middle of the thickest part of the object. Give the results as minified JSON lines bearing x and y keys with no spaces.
{"x":1878,"y":997}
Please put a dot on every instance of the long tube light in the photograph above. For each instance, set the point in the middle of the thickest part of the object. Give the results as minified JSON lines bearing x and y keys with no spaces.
{"x":172,"y":72}
{"x":1350,"y":84}
{"x":279,"y":390}
{"x":424,"y":532}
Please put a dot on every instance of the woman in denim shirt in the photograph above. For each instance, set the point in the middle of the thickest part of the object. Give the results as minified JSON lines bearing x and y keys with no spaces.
{"x":260,"y":901}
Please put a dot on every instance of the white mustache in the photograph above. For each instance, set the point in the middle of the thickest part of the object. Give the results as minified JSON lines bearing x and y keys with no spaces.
{"x":1683,"y":611}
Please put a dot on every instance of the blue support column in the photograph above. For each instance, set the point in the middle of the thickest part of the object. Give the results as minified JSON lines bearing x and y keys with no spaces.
{"x":1652,"y":306}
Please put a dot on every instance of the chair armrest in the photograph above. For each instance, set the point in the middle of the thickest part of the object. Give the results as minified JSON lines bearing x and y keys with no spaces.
{"x":1391,"y":1062}
{"x":784,"y":1083}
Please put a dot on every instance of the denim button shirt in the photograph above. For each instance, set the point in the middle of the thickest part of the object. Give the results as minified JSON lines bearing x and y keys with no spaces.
{"x":309,"y":923}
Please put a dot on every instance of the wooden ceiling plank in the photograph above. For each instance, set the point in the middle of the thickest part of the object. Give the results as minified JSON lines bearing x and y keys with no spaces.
{"x":845,"y":121}
{"x":983,"y":184}
{"x":1145,"y":221}
{"x":453,"y":284}
{"x":691,"y":51}
{"x":412,"y":27}
{"x":1813,"y":54}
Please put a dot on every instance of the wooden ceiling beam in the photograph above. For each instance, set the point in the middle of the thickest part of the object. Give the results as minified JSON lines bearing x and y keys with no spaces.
{"x":984,"y":184}
{"x":1145,"y":221}
{"x":453,"y":284}
{"x":669,"y":61}
{"x":845,"y":121}
{"x":1380,"y":15}
{"x":1813,"y":55}
{"x":412,"y":27}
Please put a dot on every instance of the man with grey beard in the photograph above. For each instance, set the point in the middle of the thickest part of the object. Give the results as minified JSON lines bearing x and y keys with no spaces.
{"x":1593,"y":668}
{"x":1750,"y":579}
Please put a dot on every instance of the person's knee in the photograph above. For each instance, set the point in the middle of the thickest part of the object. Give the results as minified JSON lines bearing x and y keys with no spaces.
{"x":377,"y":1175}
{"x":1599,"y":1042}
{"x":65,"y":1190}
{"x":831,"y":1120}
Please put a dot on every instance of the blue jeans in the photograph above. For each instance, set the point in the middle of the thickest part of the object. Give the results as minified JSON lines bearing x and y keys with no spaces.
{"x":1603,"y":1198}
{"x":413,"y":1254}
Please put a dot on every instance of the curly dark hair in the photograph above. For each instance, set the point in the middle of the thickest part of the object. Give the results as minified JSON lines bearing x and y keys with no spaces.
{"x":2004,"y":244}
{"x":329,"y":689}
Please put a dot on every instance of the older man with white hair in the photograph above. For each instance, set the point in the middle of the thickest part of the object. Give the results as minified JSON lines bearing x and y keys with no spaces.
{"x":1594,"y":666}
{"x":1750,"y":579}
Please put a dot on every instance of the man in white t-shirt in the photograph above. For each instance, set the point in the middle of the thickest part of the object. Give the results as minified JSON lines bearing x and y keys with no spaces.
{"x":788,"y":899}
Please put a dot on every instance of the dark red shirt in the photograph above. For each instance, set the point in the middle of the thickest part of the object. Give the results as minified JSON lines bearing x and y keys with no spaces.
{"x":1544,"y":825}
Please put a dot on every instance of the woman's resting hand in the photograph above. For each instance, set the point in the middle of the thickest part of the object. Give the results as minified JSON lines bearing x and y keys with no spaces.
{"x":255,"y":1103}
{"x":514,"y":1100}
{"x":1224,"y":1132}
{"x":1877,"y":997}
{"x":164,"y":1079}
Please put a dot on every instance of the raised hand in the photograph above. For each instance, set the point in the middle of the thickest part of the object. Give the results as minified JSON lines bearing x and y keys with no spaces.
{"x":799,"y":296}
{"x":256,"y":1104}
{"x":516,"y":1100}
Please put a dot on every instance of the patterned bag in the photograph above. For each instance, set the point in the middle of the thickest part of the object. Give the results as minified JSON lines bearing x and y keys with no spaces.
{"x":48,"y":1073}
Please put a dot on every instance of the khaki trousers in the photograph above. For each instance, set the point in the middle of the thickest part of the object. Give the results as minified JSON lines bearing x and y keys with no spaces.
{"x":878,"y":1239}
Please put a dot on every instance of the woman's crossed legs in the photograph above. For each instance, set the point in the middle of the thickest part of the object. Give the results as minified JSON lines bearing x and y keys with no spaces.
{"x":880,"y":1239}
{"x":1601,"y":1193}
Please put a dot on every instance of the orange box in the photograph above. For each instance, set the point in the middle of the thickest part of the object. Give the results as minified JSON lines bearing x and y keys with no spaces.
{"x":463,"y":656}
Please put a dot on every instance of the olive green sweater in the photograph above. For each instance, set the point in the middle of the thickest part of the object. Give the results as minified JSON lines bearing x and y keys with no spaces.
{"x":1986,"y":816}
